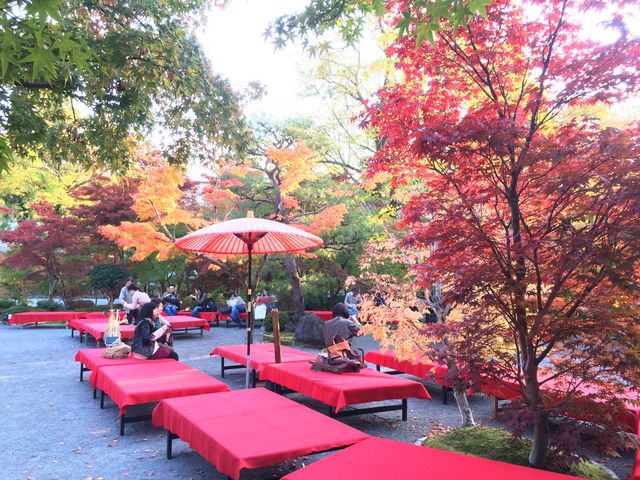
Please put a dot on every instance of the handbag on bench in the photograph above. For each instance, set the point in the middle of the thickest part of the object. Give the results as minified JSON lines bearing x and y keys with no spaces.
{"x":341,"y":358}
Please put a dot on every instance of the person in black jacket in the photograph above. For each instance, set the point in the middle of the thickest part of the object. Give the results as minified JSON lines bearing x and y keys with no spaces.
{"x":199,"y":302}
{"x":144,"y":344}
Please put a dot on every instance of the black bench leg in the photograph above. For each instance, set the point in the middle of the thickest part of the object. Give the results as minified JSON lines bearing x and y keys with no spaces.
{"x":404,"y":409}
{"x":170,"y":437}
{"x":378,"y":367}
{"x":255,"y":378}
{"x":101,"y":399}
{"x":222,"y":366}
{"x":81,"y":372}
{"x":122,"y":424}
{"x":95,"y":393}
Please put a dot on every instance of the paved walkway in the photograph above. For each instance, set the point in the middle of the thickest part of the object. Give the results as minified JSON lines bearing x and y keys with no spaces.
{"x":53,"y":429}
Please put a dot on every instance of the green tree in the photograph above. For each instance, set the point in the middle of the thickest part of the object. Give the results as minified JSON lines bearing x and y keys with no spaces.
{"x":107,"y":278}
{"x":349,"y":18}
{"x":78,"y":78}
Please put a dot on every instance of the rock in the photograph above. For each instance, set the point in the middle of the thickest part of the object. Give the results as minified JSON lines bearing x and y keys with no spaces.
{"x":310,"y":330}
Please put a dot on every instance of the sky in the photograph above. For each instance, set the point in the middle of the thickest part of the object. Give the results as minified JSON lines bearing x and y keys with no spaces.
{"x":234,"y":42}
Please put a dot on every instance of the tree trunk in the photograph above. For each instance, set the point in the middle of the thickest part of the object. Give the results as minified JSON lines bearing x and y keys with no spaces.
{"x":538,"y":454}
{"x":53,"y":282}
{"x":296,"y":289}
{"x":466,"y":414}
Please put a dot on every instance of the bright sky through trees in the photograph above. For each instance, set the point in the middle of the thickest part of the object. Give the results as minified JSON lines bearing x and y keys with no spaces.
{"x":234,"y":41}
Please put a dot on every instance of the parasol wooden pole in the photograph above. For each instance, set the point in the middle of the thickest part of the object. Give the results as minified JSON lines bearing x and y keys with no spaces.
{"x":275,"y":320}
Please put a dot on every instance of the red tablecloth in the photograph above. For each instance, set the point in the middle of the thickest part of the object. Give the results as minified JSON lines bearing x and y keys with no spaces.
{"x":323,"y":314}
{"x":261,"y":354}
{"x":79,"y":324}
{"x":43,"y":317}
{"x":182,"y":321}
{"x":251,"y":428}
{"x":382,"y":459}
{"x":368,"y":385}
{"x":93,"y":360}
{"x":418,"y":367}
{"x":154,"y":381}
{"x":208,"y":316}
{"x":100,"y":315}
{"x":97,"y":329}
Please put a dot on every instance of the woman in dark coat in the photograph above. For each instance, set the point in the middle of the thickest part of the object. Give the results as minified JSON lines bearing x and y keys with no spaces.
{"x":144,"y":344}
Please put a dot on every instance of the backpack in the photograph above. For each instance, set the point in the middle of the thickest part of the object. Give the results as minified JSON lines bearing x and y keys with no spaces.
{"x":210,"y":305}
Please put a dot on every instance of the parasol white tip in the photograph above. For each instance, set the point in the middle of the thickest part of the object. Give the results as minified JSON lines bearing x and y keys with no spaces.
{"x":250,"y":214}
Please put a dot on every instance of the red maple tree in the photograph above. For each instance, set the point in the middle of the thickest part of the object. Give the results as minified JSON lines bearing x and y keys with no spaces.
{"x":530,"y":209}
{"x":46,"y":244}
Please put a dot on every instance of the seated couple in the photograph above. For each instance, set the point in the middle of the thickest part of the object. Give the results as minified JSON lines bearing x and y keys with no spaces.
{"x":152,"y":339}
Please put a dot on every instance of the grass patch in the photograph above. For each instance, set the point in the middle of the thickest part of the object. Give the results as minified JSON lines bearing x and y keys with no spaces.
{"x":500,"y":445}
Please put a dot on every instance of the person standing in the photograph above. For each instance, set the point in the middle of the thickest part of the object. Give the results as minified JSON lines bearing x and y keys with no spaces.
{"x":171,"y":300}
{"x":125,"y":296}
{"x":138,"y":299}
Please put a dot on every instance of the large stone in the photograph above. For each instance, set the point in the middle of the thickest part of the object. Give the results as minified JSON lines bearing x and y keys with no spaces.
{"x":310,"y":330}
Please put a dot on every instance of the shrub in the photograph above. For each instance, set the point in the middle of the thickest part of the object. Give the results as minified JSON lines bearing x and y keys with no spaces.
{"x":50,"y":305}
{"x":4,"y":316}
{"x":6,"y":304}
{"x":500,"y":445}
{"x":81,"y":305}
{"x":284,"y":320}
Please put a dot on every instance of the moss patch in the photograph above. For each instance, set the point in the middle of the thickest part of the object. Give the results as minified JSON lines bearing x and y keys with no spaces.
{"x":483,"y":442}
{"x":500,"y":445}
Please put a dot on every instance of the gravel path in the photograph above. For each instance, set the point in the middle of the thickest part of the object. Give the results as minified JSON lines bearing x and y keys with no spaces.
{"x":53,"y":429}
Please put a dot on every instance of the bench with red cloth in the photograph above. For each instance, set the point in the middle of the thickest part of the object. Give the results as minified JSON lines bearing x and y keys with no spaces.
{"x":261,"y":355}
{"x":78,"y":324}
{"x":185,"y":323}
{"x":250,"y":429}
{"x":418,"y":367}
{"x":151,"y":381}
{"x":421,"y":367}
{"x":382,"y":459}
{"x":339,"y":391}
{"x":43,"y":317}
{"x":98,"y":328}
{"x":208,"y":316}
{"x":91,"y":360}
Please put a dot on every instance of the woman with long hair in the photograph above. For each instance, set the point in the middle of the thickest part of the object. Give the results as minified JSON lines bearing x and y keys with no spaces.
{"x":145,"y":336}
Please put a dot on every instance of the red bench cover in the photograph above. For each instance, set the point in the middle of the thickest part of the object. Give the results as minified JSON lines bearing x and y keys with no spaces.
{"x":153,"y":381}
{"x":382,"y":459}
{"x":418,"y":367}
{"x":261,"y":354}
{"x":79,"y":324}
{"x":251,"y":428}
{"x":92,"y":359}
{"x":182,"y":321}
{"x":208,"y":316}
{"x":97,"y":329}
{"x":368,"y":385}
{"x":43,"y":317}
{"x":100,"y":315}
